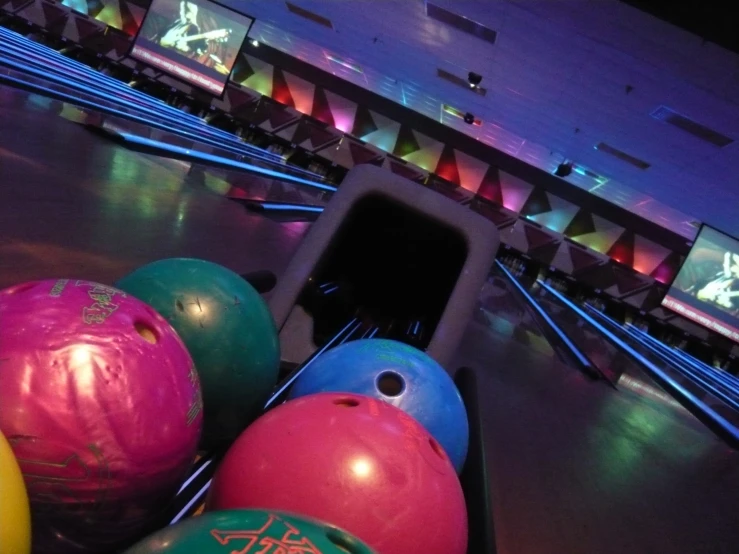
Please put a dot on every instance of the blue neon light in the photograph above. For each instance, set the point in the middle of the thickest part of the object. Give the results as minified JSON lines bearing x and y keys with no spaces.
{"x":241,"y":149}
{"x":707,"y":410}
{"x":45,"y":91}
{"x":534,"y":304}
{"x":328,"y":345}
{"x":187,"y":120}
{"x":292,"y":208}
{"x":135,"y":139}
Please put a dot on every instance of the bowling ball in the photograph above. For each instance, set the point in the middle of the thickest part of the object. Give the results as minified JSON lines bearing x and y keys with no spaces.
{"x":400,"y":375}
{"x":15,"y":517}
{"x":244,"y":530}
{"x":101,"y":402}
{"x":228,"y":330}
{"x":355,"y":461}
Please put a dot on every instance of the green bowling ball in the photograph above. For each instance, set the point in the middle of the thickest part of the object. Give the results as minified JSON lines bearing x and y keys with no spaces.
{"x":228,"y":330}
{"x":246,"y":531}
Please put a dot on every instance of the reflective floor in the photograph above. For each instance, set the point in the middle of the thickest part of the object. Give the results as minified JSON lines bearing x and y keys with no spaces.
{"x":73,"y":204}
{"x":575,"y":466}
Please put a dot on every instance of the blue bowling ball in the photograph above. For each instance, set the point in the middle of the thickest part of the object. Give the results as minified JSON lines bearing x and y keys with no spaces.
{"x":400,"y":375}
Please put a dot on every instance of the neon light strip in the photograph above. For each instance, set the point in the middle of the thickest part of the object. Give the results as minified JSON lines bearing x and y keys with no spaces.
{"x":291,"y":208}
{"x":42,"y":57}
{"x":192,"y":502}
{"x":712,"y":372}
{"x":677,"y":365}
{"x":135,"y":139}
{"x":328,"y":345}
{"x":110,"y":83}
{"x":452,"y":111}
{"x":348,"y":65}
{"x":240,"y":150}
{"x":253,"y":152}
{"x":130,"y":93}
{"x":195,"y":475}
{"x":670,"y":383}
{"x":704,"y":381}
{"x":545,"y":316}
{"x":732,"y":378}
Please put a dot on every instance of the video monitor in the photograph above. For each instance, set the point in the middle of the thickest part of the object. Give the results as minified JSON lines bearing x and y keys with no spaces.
{"x":124,"y":15}
{"x":706,"y":289}
{"x":196,"y":41}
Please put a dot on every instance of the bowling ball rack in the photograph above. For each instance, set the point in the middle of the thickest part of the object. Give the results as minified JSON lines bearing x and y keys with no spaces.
{"x":474,"y":477}
{"x":414,"y":278}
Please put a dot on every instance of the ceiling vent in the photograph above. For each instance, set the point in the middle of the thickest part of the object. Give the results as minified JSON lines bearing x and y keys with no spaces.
{"x":663,"y":113}
{"x":459,"y":81}
{"x":309,"y":15}
{"x":460,"y":23}
{"x":623,"y":156}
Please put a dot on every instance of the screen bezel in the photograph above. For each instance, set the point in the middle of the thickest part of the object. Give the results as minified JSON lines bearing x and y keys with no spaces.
{"x":671,"y":284}
{"x":188,"y":83}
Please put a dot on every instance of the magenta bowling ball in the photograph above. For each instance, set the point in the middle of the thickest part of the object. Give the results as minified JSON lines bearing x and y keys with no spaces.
{"x":101,"y":403}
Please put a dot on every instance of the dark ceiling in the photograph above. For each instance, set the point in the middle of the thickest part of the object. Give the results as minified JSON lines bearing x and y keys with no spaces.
{"x":711,"y":20}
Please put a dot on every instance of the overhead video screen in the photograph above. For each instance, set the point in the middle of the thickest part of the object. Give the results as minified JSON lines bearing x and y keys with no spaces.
{"x":706,"y":289}
{"x":196,"y":41}
{"x":125,"y":15}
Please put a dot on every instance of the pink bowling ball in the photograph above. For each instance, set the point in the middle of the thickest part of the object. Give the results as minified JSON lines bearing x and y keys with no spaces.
{"x":352,"y":460}
{"x":100,"y":401}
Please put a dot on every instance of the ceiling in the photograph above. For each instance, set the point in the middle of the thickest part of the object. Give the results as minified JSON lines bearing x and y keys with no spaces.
{"x":561,"y":78}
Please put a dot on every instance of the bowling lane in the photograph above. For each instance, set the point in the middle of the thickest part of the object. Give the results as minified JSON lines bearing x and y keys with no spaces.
{"x":577,"y":466}
{"x":502,"y":312}
{"x":637,"y":364}
{"x":75,"y":205}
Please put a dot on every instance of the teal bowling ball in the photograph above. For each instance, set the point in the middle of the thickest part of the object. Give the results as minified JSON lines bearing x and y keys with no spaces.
{"x":245,"y":531}
{"x":228,"y":330}
{"x":400,"y":375}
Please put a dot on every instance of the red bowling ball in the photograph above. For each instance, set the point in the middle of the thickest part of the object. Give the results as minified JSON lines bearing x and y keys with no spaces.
{"x":354,"y":461}
{"x":100,"y":402}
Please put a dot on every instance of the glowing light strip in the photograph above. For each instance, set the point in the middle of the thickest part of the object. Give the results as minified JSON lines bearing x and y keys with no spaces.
{"x":681,"y":357}
{"x":291,"y":207}
{"x":44,"y":91}
{"x":704,"y":381}
{"x":195,"y":475}
{"x":241,"y":149}
{"x":545,"y":316}
{"x":198,"y":124}
{"x":135,"y":139}
{"x":292,"y":379}
{"x":192,"y":502}
{"x":23,"y":45}
{"x":111,"y":83}
{"x":704,"y":378}
{"x":680,"y":366}
{"x":732,"y":378}
{"x":348,"y":65}
{"x":657,"y":372}
{"x":103,"y":82}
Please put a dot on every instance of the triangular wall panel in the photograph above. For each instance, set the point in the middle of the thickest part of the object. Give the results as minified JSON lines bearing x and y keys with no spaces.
{"x":301,"y":92}
{"x":559,"y":216}
{"x":446,"y":167}
{"x":321,"y":110}
{"x":648,"y":255}
{"x":428,"y":153}
{"x":343,"y":110}
{"x":471,"y":171}
{"x":515,"y":191}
